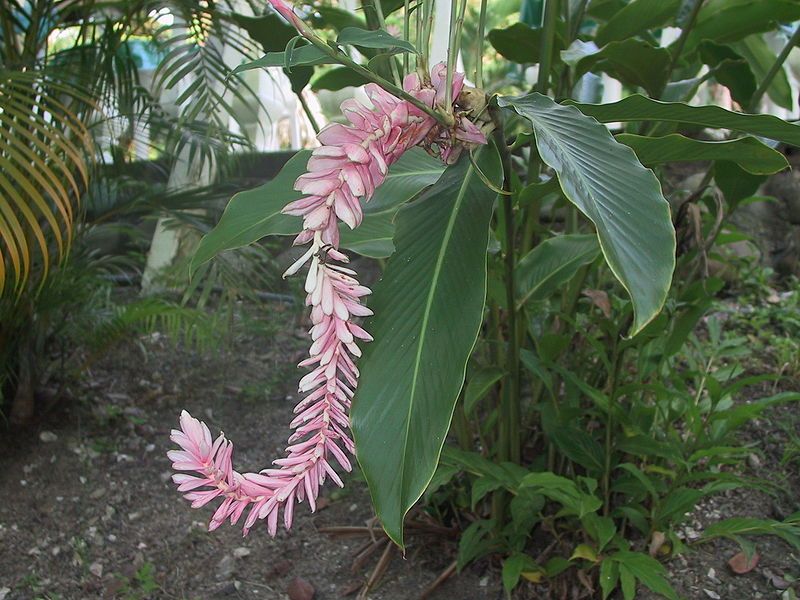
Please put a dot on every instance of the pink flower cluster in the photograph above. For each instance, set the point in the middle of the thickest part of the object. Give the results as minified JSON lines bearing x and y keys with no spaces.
{"x":344,"y":171}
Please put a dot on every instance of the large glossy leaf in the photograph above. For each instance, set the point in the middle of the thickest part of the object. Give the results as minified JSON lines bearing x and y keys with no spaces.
{"x":633,"y":62}
{"x":551,"y":264}
{"x":256,"y":213}
{"x":604,"y":179}
{"x":520,"y":43}
{"x":428,"y":311}
{"x":636,"y":17}
{"x":733,"y":20}
{"x":753,"y":155}
{"x":639,"y":108}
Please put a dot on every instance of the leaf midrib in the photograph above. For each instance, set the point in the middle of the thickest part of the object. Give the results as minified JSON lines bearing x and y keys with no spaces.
{"x":423,"y":326}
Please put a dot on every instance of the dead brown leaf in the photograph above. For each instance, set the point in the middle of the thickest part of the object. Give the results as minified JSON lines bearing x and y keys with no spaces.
{"x":740,"y":565}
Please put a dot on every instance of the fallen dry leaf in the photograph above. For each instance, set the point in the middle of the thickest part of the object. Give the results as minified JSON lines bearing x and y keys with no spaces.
{"x":740,"y":565}
{"x":656,"y":542}
{"x":300,"y":589}
{"x":600,"y":299}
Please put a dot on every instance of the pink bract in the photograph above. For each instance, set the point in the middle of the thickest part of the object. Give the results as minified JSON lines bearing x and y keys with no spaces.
{"x":352,"y":162}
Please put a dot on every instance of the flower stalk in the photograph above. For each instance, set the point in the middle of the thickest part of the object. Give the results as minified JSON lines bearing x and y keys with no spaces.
{"x":352,"y":162}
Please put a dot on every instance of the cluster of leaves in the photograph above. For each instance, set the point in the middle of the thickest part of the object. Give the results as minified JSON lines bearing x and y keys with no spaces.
{"x":563,"y":331}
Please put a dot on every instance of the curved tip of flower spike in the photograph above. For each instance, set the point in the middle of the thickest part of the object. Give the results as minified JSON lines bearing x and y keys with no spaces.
{"x":287,"y":12}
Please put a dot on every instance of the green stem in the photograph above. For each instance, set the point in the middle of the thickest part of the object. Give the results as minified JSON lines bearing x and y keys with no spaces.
{"x":309,"y":114}
{"x":479,"y":46}
{"x":510,"y":409}
{"x":406,"y":35}
{"x":345,"y":60}
{"x":457,"y":9}
{"x":577,"y":19}
{"x":774,"y":70}
{"x":613,"y":385}
{"x":549,"y":23}
{"x":681,"y":42}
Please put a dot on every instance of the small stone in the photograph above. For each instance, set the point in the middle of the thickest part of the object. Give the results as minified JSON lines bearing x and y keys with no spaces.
{"x":4,"y":591}
{"x":112,"y":538}
{"x":150,"y":448}
{"x":711,"y":594}
{"x":96,"y":569}
{"x":300,"y":589}
{"x":353,"y":507}
{"x":712,"y":576}
{"x":98,"y":493}
{"x":165,"y":476}
{"x":55,"y":551}
{"x":754,"y":461}
{"x":241,"y":552}
{"x":48,"y":437}
{"x":134,"y":515}
{"x":225,"y":568}
{"x":82,"y":479}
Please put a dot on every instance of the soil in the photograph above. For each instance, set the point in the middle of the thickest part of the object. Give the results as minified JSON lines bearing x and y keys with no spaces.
{"x":87,"y":508}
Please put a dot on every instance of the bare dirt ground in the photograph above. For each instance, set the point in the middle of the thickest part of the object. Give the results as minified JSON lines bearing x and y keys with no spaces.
{"x":87,"y":509}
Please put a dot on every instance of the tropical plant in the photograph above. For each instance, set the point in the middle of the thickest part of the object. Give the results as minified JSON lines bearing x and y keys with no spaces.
{"x":74,"y":100}
{"x":525,"y":303}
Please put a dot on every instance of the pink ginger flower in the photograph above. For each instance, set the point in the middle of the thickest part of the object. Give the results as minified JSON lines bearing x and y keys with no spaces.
{"x":351,"y":164}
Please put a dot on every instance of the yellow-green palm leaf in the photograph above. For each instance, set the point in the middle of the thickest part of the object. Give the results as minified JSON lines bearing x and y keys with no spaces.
{"x":44,"y":152}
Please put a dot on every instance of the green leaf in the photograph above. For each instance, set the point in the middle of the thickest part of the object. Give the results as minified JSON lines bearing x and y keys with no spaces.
{"x":640,"y":108}
{"x":733,"y":20}
{"x":520,"y":43}
{"x":377,"y":38}
{"x":672,"y":509}
{"x":256,"y":213}
{"x":604,"y":179}
{"x":514,"y":566}
{"x":760,"y":57}
{"x":628,"y":583}
{"x":271,"y":31}
{"x":730,"y":69}
{"x":609,"y":576}
{"x":601,"y":529}
{"x":631,"y":61}
{"x":751,"y":154}
{"x":476,"y":541}
{"x":337,"y":79}
{"x":734,"y":182}
{"x":579,"y":447}
{"x":479,"y":385}
{"x":637,"y":17}
{"x":428,"y":311}
{"x":336,"y":18}
{"x":298,"y":57}
{"x":564,"y":491}
{"x":551,"y":264}
{"x":647,"y":570}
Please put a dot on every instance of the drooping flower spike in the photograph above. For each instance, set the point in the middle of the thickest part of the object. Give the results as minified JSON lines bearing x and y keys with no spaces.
{"x":344,"y":171}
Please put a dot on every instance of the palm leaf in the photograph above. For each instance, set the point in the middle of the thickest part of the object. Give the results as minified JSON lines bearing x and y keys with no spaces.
{"x":44,"y":153}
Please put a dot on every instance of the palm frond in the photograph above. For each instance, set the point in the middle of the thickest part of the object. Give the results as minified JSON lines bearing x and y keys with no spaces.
{"x":194,"y":72}
{"x":45,"y":151}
